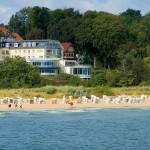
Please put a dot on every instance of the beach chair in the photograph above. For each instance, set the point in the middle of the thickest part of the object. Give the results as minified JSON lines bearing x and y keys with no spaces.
{"x":31,"y":101}
{"x":54,"y":101}
{"x":5,"y":100}
{"x":1,"y":101}
{"x":79,"y":100}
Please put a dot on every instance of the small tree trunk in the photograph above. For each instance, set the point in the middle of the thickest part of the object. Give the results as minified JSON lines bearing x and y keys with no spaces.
{"x":94,"y":62}
{"x":104,"y":59}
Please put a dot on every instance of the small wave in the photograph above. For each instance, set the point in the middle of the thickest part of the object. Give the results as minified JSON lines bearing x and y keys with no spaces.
{"x":78,"y":110}
{"x":145,"y":108}
{"x":5,"y":113}
{"x":75,"y":110}
{"x":61,"y":111}
{"x":2,"y":114}
{"x":54,"y":111}
{"x":12,"y":113}
{"x":51,"y":111}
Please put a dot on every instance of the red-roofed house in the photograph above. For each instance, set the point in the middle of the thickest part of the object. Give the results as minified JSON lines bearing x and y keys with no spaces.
{"x":9,"y":34}
{"x":17,"y":36}
{"x":69,"y":51}
{"x":2,"y":28}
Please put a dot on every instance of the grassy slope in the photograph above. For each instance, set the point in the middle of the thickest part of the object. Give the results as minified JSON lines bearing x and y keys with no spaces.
{"x":59,"y":91}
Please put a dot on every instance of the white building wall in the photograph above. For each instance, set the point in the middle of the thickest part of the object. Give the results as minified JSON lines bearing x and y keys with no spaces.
{"x":28,"y":53}
{"x":67,"y":70}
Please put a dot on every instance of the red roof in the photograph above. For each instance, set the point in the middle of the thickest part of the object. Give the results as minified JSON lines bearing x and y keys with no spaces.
{"x":4,"y":29}
{"x":8,"y":33}
{"x":66,"y":46}
{"x":16,"y":36}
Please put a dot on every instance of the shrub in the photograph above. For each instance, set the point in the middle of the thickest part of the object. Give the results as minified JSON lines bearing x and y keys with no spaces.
{"x":74,"y":80}
{"x":78,"y":92}
{"x":70,"y":92}
{"x":102,"y":90}
{"x":99,"y":79}
{"x":48,"y":90}
{"x":85,"y":83}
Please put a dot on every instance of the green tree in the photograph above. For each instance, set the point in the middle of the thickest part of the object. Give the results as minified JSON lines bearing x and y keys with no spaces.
{"x":64,"y":31}
{"x":63,"y":23}
{"x":107,"y":34}
{"x":35,"y":34}
{"x":131,"y":16}
{"x":38,"y":17}
{"x":18,"y":22}
{"x":83,"y":36}
{"x":15,"y":73}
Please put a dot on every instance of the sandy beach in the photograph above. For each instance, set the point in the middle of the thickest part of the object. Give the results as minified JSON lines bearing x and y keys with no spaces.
{"x":60,"y":105}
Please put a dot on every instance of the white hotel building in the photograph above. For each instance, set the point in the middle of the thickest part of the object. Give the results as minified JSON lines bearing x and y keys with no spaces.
{"x":47,"y":55}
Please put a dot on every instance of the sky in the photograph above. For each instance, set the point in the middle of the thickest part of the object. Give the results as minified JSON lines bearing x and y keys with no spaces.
{"x":10,"y":7}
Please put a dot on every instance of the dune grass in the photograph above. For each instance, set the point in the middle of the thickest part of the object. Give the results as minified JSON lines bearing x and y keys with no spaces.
{"x":58,"y":91}
{"x":137,"y":91}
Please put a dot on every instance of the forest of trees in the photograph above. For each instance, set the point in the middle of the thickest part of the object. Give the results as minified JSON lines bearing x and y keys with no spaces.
{"x":118,"y":46}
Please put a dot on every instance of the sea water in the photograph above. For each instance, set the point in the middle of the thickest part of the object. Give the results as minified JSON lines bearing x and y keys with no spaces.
{"x":76,"y":129}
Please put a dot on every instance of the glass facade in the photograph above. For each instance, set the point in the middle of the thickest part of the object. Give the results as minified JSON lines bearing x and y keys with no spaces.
{"x":53,"y":52}
{"x":82,"y":72}
{"x":69,"y":64}
{"x":49,"y":70}
{"x":69,"y":54}
{"x":45,"y":63}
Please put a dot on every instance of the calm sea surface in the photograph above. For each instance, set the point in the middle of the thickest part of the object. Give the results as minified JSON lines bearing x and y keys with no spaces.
{"x":78,"y":129}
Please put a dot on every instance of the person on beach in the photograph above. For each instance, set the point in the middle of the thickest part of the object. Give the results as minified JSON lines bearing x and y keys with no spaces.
{"x":9,"y":105}
{"x":71,"y":104}
{"x":20,"y":104}
{"x":16,"y":103}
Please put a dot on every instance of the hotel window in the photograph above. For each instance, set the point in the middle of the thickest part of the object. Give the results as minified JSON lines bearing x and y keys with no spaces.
{"x":84,"y":70}
{"x":54,"y":52}
{"x":7,"y":52}
{"x":15,"y":44}
{"x":28,"y":51}
{"x":3,"y":52}
{"x":16,"y":52}
{"x":24,"y":51}
{"x":79,"y":70}
{"x":69,"y":54}
{"x":24,"y":44}
{"x":28,"y":56}
{"x":75,"y":71}
{"x":69,"y":63}
{"x":39,"y":51}
{"x":7,"y":44}
{"x":39,"y":63}
{"x":33,"y":44}
{"x":48,"y":52}
{"x":29,"y":44}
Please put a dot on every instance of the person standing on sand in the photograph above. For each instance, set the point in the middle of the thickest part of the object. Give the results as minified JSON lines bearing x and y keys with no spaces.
{"x":71,"y":104}
{"x":16,"y":103}
{"x":9,"y":105}
{"x":20,"y":104}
